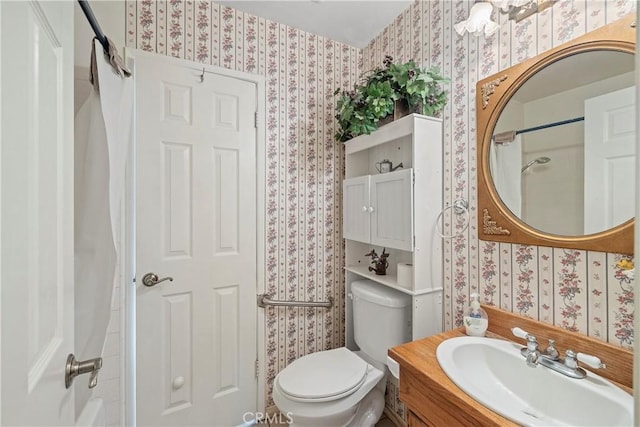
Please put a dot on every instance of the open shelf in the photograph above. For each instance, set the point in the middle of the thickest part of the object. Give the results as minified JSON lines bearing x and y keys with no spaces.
{"x":389,"y":280}
{"x":389,"y":132}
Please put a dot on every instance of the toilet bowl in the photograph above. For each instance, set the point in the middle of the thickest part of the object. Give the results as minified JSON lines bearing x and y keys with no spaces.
{"x":330,"y":388}
{"x":341,"y":387}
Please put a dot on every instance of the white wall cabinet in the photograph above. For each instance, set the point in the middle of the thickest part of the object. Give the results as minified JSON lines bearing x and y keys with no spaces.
{"x":397,"y":211}
{"x":378,"y":209}
{"x":356,"y":209}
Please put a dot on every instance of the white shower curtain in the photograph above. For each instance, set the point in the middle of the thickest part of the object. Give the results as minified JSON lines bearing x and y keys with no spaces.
{"x":506,"y":162}
{"x":103,"y":133}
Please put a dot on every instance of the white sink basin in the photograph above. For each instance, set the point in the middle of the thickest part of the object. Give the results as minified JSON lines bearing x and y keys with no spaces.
{"x":494,"y":373}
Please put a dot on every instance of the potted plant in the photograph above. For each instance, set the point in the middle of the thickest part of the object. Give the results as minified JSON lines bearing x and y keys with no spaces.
{"x":382,"y":90}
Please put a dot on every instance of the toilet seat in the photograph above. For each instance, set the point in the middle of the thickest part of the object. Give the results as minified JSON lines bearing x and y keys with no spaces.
{"x":323,"y":376}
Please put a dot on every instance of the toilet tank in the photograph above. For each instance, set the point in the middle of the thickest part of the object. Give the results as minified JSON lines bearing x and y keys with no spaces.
{"x":381,"y":318}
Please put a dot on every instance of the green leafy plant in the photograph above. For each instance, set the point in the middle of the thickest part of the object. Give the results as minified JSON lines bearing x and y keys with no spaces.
{"x":373,"y":98}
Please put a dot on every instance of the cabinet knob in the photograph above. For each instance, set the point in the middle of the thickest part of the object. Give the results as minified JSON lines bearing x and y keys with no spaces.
{"x":364,"y":209}
{"x":371,"y":209}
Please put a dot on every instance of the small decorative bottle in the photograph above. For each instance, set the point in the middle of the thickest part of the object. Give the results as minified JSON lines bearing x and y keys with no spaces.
{"x":476,"y":320}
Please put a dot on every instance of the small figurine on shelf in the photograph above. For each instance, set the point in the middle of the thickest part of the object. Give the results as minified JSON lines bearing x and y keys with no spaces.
{"x":381,"y":263}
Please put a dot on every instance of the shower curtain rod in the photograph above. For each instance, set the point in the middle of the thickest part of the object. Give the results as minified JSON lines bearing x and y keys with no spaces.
{"x":509,"y":136}
{"x":550,"y":125}
{"x":86,"y":8}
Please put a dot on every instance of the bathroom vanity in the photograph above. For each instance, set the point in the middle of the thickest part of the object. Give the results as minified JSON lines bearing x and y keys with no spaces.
{"x":432,"y":399}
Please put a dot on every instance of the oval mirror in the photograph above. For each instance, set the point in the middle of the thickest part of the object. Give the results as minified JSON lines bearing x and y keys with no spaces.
{"x":565,"y":162}
{"x":556,"y":143}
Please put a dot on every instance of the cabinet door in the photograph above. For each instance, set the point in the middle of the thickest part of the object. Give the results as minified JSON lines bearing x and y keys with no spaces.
{"x":414,"y":421}
{"x":356,"y":209}
{"x":392,"y":216}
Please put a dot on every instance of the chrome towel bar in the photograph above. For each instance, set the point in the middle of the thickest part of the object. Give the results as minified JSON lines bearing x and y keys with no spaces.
{"x":265,"y":300}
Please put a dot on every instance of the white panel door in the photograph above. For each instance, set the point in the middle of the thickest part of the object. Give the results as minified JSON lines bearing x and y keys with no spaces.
{"x":391,"y":197}
{"x":609,"y":160}
{"x":356,"y":211}
{"x":36,"y":118}
{"x":196,"y":223}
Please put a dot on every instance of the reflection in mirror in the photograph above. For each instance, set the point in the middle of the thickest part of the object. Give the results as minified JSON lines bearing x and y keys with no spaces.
{"x":562,"y":157}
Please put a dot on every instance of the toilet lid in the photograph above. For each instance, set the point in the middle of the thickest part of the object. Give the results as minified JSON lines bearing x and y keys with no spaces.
{"x":323,"y":376}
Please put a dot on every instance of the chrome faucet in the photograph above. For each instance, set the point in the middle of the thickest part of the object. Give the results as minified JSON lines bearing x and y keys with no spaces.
{"x":551,"y":359}
{"x":551,"y":351}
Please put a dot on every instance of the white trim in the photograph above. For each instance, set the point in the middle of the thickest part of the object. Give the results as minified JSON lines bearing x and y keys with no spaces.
{"x":1,"y":245}
{"x":128,"y":368}
{"x":261,"y":210}
{"x":197,"y":68}
{"x":128,"y":290}
{"x":636,"y":303}
{"x":124,"y":268}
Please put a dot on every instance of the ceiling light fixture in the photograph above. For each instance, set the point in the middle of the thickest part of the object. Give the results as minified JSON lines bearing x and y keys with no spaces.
{"x":480,"y":22}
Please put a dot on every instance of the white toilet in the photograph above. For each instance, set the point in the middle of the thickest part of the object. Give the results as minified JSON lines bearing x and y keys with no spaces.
{"x":340,"y":387}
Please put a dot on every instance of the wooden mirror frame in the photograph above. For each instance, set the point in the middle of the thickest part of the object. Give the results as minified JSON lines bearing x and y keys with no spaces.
{"x":495,"y":221}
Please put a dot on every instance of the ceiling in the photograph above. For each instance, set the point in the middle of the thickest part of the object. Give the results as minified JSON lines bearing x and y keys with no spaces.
{"x":354,"y":22}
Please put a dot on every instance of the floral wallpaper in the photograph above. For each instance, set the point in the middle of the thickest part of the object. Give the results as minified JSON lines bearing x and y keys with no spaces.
{"x":582,"y":291}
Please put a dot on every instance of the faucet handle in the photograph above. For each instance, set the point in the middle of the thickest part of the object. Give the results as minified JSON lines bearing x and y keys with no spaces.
{"x":520,"y":333}
{"x":570,"y":359}
{"x":592,"y":361}
{"x":532,"y":342}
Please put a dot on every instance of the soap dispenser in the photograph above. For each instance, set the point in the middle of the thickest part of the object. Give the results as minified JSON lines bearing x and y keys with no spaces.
{"x":476,"y":320}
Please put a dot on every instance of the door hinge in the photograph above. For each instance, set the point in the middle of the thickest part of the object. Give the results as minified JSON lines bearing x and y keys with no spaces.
{"x":257,"y":366}
{"x":255,"y":120}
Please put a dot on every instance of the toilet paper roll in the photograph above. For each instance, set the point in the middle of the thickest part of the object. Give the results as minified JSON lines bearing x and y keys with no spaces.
{"x":405,"y":275}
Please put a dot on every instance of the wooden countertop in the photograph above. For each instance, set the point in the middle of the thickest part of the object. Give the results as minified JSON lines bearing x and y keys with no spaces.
{"x":428,"y":391}
{"x":418,"y":363}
